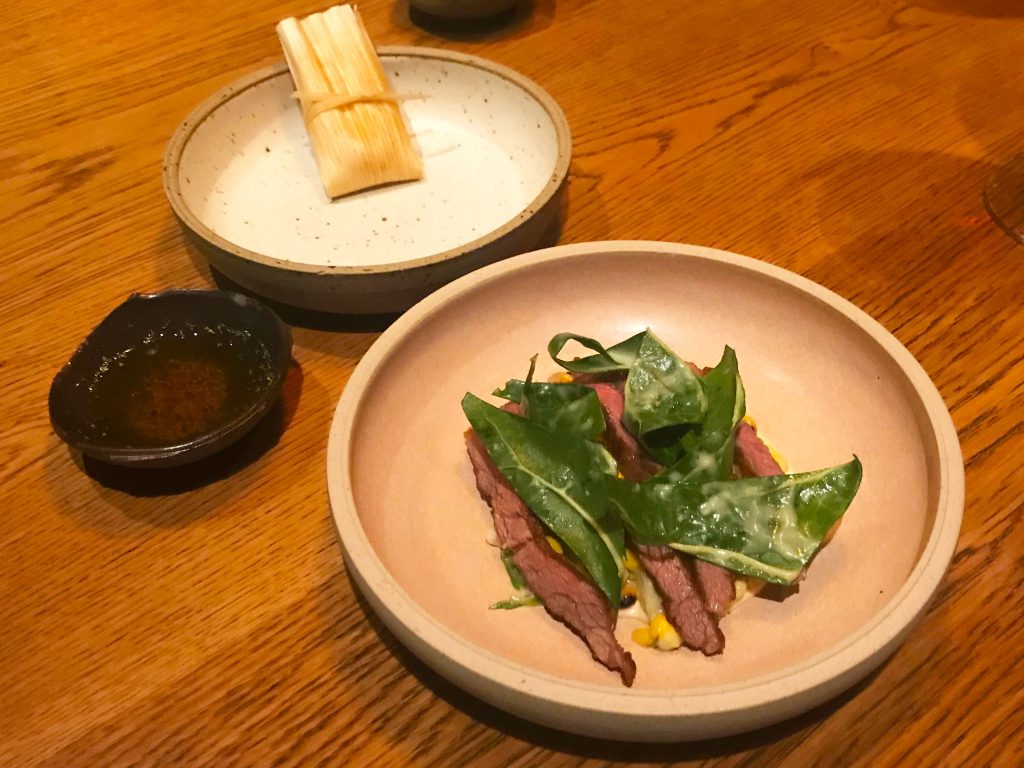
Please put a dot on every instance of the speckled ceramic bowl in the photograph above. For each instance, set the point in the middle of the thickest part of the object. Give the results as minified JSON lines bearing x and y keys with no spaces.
{"x":241,"y":178}
{"x":823,"y":380}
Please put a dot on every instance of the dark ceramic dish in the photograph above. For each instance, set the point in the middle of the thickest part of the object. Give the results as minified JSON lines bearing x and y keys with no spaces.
{"x":170,"y":378}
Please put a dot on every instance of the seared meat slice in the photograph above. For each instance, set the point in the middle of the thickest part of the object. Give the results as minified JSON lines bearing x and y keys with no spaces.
{"x":684,"y":607}
{"x":752,"y":455}
{"x":567,"y":595}
{"x":715,"y":585}
{"x":634,"y":463}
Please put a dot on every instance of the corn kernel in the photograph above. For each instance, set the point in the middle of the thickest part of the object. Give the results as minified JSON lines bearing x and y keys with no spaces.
{"x":669,"y":640}
{"x":561,"y":378}
{"x":740,"y":589}
{"x":658,"y":624}
{"x":555,"y":544}
{"x":665,"y":635}
{"x":620,"y":476}
{"x":630,"y":562}
{"x":750,"y":420}
{"x":779,"y":459}
{"x":642,"y":636}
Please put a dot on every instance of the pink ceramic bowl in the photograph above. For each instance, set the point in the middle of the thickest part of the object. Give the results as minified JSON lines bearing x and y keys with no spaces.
{"x":823,"y":380}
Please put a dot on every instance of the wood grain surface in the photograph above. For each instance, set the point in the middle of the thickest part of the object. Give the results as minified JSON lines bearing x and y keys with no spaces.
{"x":204,"y":617}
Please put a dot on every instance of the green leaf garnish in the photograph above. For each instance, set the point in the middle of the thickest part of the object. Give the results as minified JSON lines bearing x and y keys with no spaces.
{"x":514,"y":574}
{"x":570,"y":408}
{"x":766,"y":527}
{"x":516,"y":601}
{"x":705,"y":451}
{"x":523,"y":597}
{"x":616,"y":359}
{"x":661,"y":390}
{"x":560,"y":477}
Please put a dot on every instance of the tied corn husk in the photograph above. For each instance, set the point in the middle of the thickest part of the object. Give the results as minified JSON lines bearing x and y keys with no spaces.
{"x":356,"y":129}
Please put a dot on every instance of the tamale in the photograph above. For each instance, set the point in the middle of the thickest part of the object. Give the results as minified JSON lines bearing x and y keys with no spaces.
{"x":356,"y":129}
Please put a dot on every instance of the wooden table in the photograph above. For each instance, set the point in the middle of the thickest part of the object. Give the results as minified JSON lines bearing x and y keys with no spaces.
{"x":208,"y":618}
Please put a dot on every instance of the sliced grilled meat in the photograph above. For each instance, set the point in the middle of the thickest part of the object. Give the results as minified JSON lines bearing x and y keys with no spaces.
{"x":690,"y":588}
{"x":684,"y":607}
{"x":752,"y":456}
{"x":567,"y":595}
{"x":634,"y":463}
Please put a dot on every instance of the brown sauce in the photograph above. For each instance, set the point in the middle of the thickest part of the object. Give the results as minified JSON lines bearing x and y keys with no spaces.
{"x":174,"y":387}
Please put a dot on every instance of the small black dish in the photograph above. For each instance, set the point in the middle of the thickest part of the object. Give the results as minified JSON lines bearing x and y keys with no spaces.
{"x":170,"y":378}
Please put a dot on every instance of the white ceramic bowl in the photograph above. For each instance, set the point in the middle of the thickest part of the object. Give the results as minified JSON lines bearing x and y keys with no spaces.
{"x":823,"y":381}
{"x":241,"y":177}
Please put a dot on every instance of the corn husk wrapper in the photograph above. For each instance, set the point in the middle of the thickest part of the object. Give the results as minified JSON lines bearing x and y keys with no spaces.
{"x":356,"y":129}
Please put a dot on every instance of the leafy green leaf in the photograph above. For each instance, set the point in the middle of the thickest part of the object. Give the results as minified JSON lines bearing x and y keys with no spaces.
{"x":561,"y":479}
{"x":527,"y":600}
{"x":705,"y":452}
{"x":615,"y":359}
{"x":661,"y":390}
{"x":570,"y":408}
{"x":514,"y":574}
{"x":512,"y":391}
{"x":523,"y":596}
{"x":566,"y":408}
{"x":766,"y":527}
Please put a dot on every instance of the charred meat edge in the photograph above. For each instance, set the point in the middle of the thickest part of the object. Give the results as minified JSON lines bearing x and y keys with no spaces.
{"x":566,"y":594}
